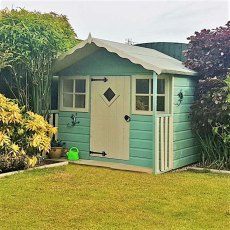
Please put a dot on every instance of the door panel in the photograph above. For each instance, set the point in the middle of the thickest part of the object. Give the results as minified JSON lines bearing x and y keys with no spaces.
{"x":110,"y":102}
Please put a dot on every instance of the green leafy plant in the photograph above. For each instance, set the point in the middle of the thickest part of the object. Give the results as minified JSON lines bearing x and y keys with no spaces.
{"x":214,"y":152}
{"x":29,"y":43}
{"x":58,"y":143}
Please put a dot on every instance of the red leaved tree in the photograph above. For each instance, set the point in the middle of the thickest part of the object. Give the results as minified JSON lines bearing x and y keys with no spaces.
{"x":209,"y":52}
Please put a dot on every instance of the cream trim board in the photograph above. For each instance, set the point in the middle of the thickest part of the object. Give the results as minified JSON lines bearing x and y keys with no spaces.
{"x":167,"y":85}
{"x":62,"y":108}
{"x":172,"y":96}
{"x":133,"y":91}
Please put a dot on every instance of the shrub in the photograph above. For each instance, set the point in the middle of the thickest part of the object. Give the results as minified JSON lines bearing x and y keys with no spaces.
{"x":22,"y":132}
{"x":29,"y":43}
{"x":210,"y":115}
{"x":208,"y":52}
{"x":16,"y":161}
{"x":212,"y":105}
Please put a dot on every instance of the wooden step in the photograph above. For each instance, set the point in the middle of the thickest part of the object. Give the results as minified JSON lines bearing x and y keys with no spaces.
{"x":111,"y":165}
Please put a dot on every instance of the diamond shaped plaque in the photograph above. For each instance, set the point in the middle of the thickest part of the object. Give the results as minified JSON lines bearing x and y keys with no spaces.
{"x":109,"y":94}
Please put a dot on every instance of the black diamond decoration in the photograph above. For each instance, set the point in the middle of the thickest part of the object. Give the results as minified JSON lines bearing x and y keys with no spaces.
{"x":109,"y":94}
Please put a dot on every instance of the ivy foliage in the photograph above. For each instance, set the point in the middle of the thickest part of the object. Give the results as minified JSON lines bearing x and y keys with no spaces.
{"x":33,"y":41}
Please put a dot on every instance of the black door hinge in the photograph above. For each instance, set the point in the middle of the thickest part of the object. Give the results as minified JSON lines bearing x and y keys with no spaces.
{"x":98,"y":79}
{"x":103,"y":153}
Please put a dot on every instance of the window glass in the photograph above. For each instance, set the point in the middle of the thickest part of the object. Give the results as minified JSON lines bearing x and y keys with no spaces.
{"x":79,"y":101}
{"x":80,"y":86}
{"x":151,"y":86}
{"x":67,"y":100}
{"x":151,"y":103}
{"x":68,"y":86}
{"x":142,"y":86}
{"x":161,"y":103}
{"x":142,"y":103}
{"x":161,"y":86}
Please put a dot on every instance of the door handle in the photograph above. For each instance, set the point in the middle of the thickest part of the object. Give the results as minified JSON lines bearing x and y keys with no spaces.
{"x":127,"y":118}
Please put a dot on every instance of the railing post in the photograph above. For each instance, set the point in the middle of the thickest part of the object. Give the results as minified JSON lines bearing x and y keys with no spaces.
{"x":155,"y":129}
{"x":157,"y":157}
{"x":166,"y":122}
{"x":171,"y":142}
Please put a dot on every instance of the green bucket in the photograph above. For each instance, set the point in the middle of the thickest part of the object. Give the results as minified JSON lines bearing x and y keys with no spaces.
{"x":73,"y":154}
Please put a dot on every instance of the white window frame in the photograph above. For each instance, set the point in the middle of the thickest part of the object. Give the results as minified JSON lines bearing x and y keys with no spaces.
{"x":150,"y":112}
{"x":62,"y":108}
{"x":166,"y":94}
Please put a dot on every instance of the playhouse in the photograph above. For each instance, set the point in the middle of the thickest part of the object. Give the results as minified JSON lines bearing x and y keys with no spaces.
{"x":126,"y":104}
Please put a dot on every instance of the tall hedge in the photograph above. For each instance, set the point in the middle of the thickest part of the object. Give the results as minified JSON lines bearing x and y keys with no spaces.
{"x":33,"y":41}
{"x":208,"y":53}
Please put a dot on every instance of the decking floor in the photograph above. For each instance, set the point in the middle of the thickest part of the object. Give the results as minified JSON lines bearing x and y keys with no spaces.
{"x":116,"y":166}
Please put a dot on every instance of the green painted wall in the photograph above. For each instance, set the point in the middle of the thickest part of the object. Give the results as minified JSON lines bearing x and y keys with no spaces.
{"x":185,"y":145}
{"x":141,"y":130}
{"x":75,"y":135}
{"x":101,"y":62}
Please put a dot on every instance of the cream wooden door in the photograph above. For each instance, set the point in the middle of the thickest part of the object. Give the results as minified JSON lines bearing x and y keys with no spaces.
{"x":110,"y":111}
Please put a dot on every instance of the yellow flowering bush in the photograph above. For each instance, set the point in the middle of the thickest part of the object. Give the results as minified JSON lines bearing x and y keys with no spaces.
{"x":22,"y":133}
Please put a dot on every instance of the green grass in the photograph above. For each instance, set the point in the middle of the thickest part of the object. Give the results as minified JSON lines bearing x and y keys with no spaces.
{"x":80,"y":197}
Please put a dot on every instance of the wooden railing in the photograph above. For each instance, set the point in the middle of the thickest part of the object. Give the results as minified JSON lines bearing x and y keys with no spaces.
{"x":53,"y":120}
{"x":164,"y":143}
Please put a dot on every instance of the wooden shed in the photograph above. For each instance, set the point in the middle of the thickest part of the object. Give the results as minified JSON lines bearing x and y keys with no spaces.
{"x":126,"y":104}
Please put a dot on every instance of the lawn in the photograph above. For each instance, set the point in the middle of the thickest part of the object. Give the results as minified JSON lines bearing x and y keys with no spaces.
{"x":81,"y":197}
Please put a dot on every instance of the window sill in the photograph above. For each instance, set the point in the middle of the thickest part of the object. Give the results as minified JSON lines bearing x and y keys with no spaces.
{"x":74,"y":110}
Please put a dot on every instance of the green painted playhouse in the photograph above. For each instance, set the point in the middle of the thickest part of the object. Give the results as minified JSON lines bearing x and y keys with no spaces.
{"x":126,"y":104}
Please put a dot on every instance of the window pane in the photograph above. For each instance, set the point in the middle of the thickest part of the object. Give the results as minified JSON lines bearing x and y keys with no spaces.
{"x":151,"y":103}
{"x":160,"y":103}
{"x":68,"y":86}
{"x":142,"y":86}
{"x":160,"y":86}
{"x":79,"y":101}
{"x":142,"y":103}
{"x":80,"y":86}
{"x":151,"y":86}
{"x":67,"y":100}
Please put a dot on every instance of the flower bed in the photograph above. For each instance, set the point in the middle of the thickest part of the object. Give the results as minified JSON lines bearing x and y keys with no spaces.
{"x":45,"y":164}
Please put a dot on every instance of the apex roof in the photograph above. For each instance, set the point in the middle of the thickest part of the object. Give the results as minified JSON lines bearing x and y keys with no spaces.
{"x":150,"y":59}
